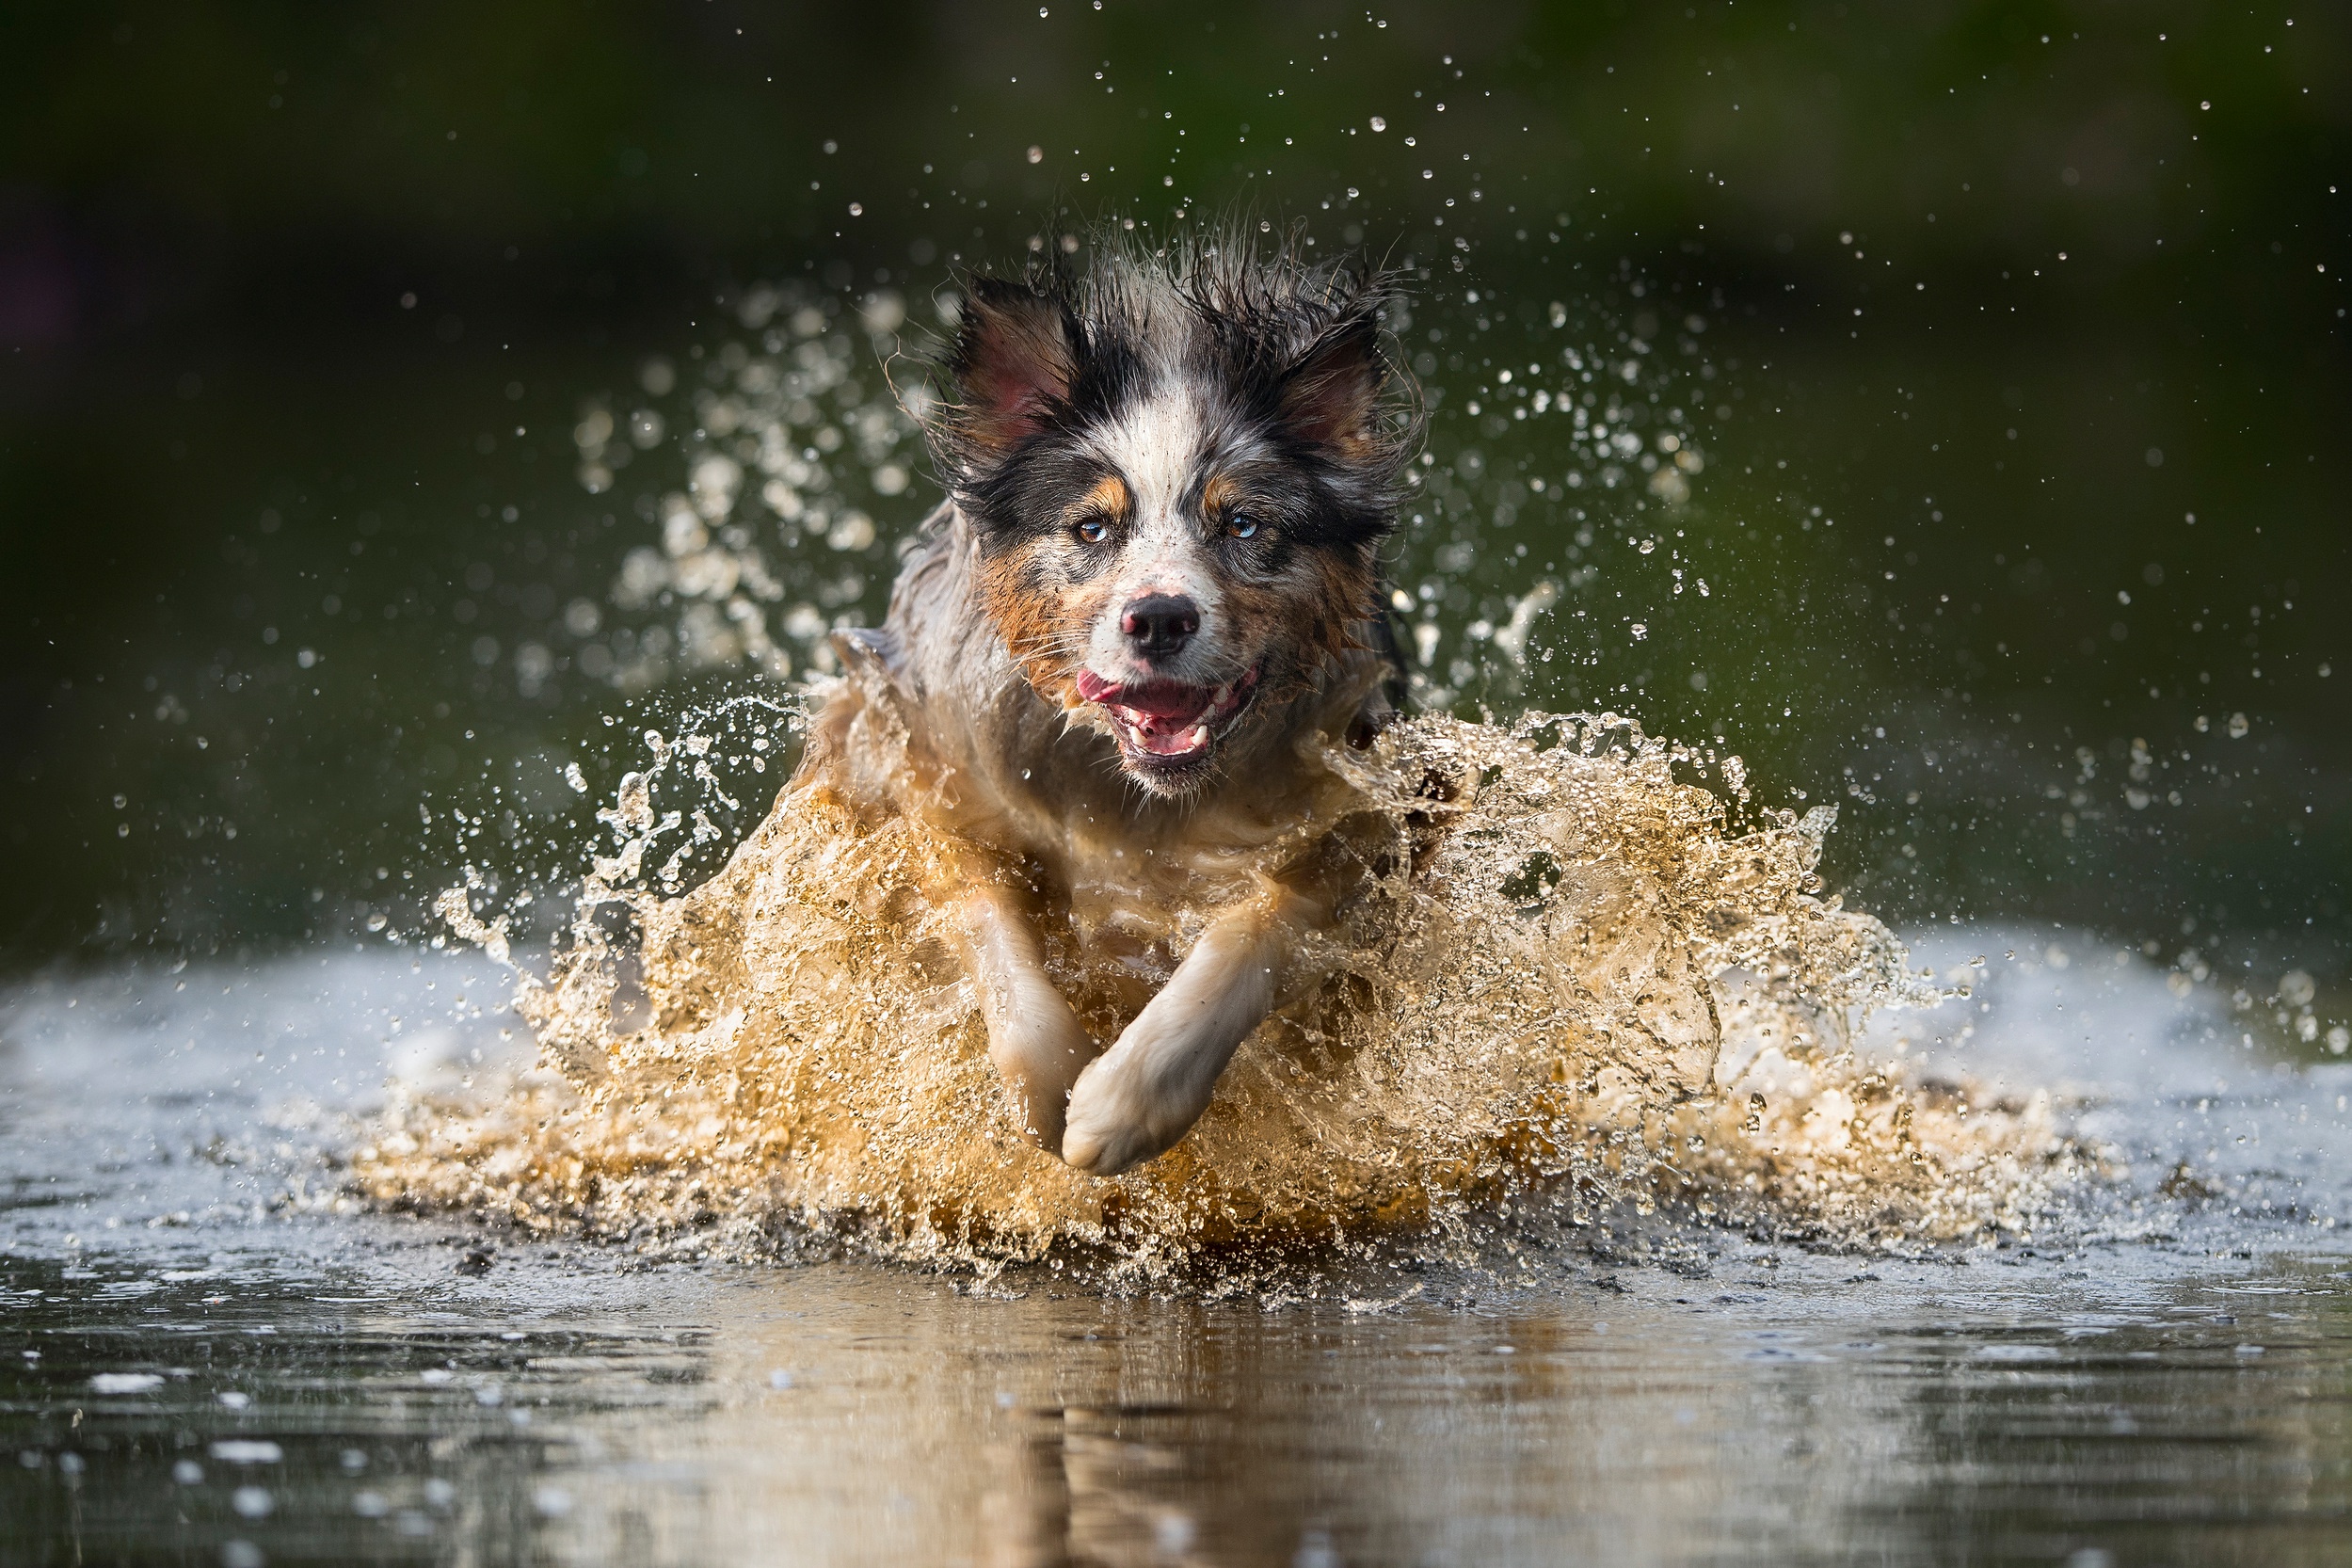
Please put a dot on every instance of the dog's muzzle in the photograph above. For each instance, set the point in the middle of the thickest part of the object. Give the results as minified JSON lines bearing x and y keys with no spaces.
{"x":1165,"y":723}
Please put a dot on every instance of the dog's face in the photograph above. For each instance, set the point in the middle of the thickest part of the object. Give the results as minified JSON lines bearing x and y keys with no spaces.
{"x":1179,"y":480}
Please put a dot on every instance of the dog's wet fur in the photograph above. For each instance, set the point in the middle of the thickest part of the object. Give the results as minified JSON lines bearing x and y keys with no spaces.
{"x":1151,"y":602}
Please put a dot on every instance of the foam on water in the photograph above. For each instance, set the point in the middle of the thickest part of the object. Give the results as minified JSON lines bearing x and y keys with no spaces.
{"x":1568,"y":984}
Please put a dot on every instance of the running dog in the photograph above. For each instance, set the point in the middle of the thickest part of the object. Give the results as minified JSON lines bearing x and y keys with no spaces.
{"x":1151,"y":601}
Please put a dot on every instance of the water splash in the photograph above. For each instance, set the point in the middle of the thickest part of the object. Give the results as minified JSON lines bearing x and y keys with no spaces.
{"x":1569,"y":984}
{"x":1586,"y":979}
{"x":774,"y":449}
{"x":772,"y":467}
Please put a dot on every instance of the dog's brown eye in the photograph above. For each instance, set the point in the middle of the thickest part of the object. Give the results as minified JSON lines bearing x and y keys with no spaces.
{"x":1094,"y":531}
{"x":1241,"y":525}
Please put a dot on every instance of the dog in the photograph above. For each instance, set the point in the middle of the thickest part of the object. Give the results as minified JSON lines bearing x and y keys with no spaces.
{"x":1151,"y":600}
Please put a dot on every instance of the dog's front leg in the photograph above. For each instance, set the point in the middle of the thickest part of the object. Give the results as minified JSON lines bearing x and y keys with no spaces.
{"x":1035,"y":1041}
{"x":1147,"y":1091}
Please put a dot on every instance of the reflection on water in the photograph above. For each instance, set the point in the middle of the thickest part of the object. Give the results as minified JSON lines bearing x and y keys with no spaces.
{"x":203,"y":1362}
{"x":1788,"y":1409}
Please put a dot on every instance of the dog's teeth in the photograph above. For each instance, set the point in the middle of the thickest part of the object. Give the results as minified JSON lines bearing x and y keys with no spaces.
{"x":1221,"y":694}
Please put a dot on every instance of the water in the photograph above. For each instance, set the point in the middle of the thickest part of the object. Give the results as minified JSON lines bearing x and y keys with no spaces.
{"x":1576,"y":988}
{"x":430,"y":421}
{"x":1495,"y":1251}
{"x":2159,"y":1378}
{"x":501,"y":618}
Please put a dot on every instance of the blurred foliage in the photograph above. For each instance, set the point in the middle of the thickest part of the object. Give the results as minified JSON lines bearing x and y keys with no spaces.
{"x":297,"y":305}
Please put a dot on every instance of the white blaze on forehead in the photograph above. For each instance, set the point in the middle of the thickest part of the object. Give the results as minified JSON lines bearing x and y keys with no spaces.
{"x":1157,"y":445}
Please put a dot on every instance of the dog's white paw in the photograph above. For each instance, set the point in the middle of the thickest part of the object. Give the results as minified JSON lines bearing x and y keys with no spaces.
{"x":1036,"y":1116}
{"x":1107,"y":1149}
{"x":1129,"y":1106}
{"x":1038,"y":1065}
{"x":1108,"y":1129}
{"x":1142,"y":1095}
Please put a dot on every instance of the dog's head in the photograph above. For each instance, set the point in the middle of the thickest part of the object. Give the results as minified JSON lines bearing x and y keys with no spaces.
{"x":1179,"y":467}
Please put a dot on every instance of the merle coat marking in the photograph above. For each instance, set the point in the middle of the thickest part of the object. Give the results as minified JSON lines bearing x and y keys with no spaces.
{"x":1153,"y":592}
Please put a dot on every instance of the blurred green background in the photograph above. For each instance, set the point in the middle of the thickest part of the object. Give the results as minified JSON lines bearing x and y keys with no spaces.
{"x":2009,"y":338}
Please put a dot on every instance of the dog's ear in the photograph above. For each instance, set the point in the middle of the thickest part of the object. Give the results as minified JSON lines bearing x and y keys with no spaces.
{"x":1016,"y":355}
{"x":1330,"y":395}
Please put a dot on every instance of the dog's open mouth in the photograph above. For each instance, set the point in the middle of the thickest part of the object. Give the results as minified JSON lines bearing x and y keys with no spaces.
{"x":1168,"y":723}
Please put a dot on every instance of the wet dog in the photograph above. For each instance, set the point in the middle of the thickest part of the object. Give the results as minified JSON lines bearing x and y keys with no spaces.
{"x":1151,"y":602}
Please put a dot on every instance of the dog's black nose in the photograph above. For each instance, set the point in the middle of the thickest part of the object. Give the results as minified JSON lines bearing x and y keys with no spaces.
{"x":1158,"y":625}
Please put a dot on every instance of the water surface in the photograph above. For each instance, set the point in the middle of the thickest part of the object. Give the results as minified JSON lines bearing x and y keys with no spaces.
{"x":211,"y":1357}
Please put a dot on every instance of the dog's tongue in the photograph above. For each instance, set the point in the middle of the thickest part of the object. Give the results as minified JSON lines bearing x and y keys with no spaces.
{"x":1165,"y":702}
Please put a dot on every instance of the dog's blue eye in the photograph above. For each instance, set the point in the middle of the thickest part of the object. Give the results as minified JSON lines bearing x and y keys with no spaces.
{"x":1094,"y":531}
{"x":1242,"y":527}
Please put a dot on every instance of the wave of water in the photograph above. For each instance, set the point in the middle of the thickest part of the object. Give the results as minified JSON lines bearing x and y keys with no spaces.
{"x":1579,"y":988}
{"x":1604,"y":985}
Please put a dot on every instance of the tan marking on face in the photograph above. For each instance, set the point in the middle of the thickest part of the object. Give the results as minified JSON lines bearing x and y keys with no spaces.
{"x":1108,"y":501}
{"x":1219,"y":498}
{"x":1043,"y":619}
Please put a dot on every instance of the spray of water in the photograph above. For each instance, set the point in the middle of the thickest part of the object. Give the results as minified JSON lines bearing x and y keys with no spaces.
{"x":1569,"y":983}
{"x":1584,"y":982}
